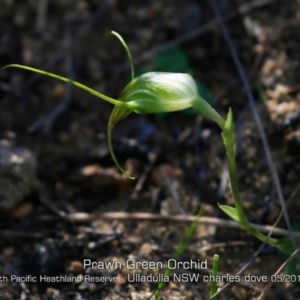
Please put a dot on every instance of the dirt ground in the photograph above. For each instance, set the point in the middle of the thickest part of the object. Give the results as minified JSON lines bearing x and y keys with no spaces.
{"x":64,"y":204}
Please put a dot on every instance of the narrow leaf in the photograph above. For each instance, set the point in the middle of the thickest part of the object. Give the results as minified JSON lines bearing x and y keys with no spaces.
{"x":228,"y":130}
{"x":230,"y":211}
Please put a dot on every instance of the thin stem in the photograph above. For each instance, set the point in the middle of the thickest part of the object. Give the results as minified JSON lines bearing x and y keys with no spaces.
{"x":207,"y":111}
{"x":75,"y":83}
{"x":233,"y":180}
{"x":229,"y":145}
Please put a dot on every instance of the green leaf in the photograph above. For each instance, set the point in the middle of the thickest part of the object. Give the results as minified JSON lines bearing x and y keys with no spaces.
{"x":230,"y":211}
{"x":287,"y":248}
{"x":293,"y":271}
{"x":172,"y":60}
{"x":286,"y":245}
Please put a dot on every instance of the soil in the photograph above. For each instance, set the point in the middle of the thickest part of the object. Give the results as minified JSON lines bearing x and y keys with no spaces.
{"x":58,"y":183}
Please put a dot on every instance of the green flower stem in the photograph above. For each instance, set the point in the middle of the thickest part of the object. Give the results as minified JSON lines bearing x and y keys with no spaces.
{"x":228,"y":137}
{"x":207,"y":111}
{"x":234,"y":185}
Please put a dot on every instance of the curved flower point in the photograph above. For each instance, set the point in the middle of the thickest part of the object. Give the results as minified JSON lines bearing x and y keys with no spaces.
{"x":117,"y":115}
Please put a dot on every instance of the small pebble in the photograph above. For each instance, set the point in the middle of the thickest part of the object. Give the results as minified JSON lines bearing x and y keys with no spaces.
{"x":84,"y":285}
{"x":239,"y":292}
{"x":76,"y":267}
{"x":22,"y":211}
{"x":53,"y":293}
{"x":146,"y":249}
{"x":92,"y":287}
{"x":8,"y":252}
{"x":121,"y":279}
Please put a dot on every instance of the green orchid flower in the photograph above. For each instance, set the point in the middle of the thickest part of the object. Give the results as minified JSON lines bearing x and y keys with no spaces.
{"x":152,"y":92}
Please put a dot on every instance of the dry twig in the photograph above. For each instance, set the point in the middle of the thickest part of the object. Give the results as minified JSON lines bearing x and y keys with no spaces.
{"x":81,"y":217}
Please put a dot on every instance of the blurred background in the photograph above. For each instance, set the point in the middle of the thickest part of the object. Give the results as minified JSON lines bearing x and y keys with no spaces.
{"x":54,"y":155}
